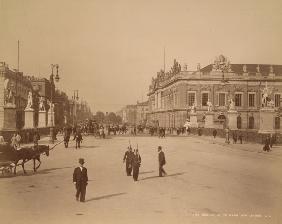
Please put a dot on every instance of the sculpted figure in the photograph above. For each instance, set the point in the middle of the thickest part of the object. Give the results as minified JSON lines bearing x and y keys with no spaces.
{"x":41,"y":104}
{"x":231,"y":105}
{"x":209,"y":104}
{"x":29,"y":100}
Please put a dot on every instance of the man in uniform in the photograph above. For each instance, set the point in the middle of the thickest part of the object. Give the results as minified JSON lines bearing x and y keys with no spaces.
{"x":136,"y":164}
{"x":162,"y":162}
{"x":128,"y":158}
{"x":80,"y":180}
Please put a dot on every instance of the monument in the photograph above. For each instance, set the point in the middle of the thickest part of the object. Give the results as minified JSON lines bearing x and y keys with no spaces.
{"x":267,"y":113}
{"x":232,"y":115}
{"x":51,"y":114}
{"x":29,"y":112}
{"x":42,"y":115}
{"x":9,"y":107}
{"x":193,"y":116}
{"x":209,"y":116}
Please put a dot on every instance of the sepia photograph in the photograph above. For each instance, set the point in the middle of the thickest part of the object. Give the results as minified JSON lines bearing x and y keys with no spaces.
{"x":140,"y":111}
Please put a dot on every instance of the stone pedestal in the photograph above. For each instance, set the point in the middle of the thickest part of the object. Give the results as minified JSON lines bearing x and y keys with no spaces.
{"x":209,"y":120}
{"x":29,"y":118}
{"x":232,"y":119}
{"x":10,"y":118}
{"x":266,"y":117}
{"x":193,"y":120}
{"x":42,"y":119}
{"x":50,"y":115}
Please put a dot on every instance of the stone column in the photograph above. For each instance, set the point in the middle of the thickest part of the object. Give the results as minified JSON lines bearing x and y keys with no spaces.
{"x":42,"y":119}
{"x":209,"y":120}
{"x":232,"y":119}
{"x":266,"y":117}
{"x":29,"y":118}
{"x":193,"y":120}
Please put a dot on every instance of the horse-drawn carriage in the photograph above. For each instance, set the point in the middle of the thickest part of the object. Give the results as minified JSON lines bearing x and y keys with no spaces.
{"x":10,"y":157}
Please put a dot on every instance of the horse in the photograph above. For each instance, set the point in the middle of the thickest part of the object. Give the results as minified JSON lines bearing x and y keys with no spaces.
{"x":27,"y":153}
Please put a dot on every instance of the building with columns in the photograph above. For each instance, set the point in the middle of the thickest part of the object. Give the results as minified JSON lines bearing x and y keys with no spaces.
{"x":173,"y":94}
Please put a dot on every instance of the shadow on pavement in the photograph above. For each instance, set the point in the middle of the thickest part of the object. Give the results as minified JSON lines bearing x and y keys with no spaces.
{"x":170,"y":175}
{"x":147,"y":172}
{"x":31,"y":173}
{"x":104,"y":197}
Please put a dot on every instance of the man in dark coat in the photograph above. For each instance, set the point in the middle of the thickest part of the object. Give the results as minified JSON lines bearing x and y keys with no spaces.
{"x":136,"y":163}
{"x":162,"y":162}
{"x":80,"y":180}
{"x":66,"y":137}
{"x":78,"y":139}
{"x":128,"y":158}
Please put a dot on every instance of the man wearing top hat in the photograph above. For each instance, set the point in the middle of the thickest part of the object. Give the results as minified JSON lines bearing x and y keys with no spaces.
{"x":80,"y":180}
{"x":162,"y":162}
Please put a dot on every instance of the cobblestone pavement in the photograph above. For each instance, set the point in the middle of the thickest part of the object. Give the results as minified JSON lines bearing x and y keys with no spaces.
{"x":208,"y":181}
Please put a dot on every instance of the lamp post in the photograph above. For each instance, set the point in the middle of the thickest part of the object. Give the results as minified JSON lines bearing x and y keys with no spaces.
{"x":75,"y":98}
{"x":57,"y":78}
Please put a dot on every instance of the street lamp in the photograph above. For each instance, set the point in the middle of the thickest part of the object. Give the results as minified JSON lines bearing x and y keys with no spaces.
{"x":57,"y":78}
{"x":74,"y":115}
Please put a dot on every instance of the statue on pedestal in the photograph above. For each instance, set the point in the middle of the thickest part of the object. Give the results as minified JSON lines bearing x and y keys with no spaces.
{"x":41,"y":104}
{"x":29,"y":101}
{"x":193,"y":108}
{"x":231,"y":105}
{"x":265,"y":96}
{"x":209,"y":104}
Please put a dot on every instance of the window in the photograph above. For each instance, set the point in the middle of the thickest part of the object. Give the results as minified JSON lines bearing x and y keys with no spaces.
{"x":251,"y":122}
{"x":191,"y":98}
{"x":277,"y":100}
{"x":175,"y":98}
{"x":239,"y":122}
{"x":238,"y":99}
{"x":205,"y":97}
{"x":251,"y":99}
{"x":277,"y":122}
{"x":221,"y":99}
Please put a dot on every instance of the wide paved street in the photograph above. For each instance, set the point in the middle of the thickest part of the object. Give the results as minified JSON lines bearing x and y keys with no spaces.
{"x":208,"y":182}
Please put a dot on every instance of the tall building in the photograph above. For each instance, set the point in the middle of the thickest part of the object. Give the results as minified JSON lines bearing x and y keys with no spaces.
{"x":141,"y":112}
{"x":173,"y":94}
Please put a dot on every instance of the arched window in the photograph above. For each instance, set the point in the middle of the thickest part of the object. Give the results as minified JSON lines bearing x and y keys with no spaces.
{"x":251,"y":122}
{"x":239,"y":122}
{"x":277,"y":122}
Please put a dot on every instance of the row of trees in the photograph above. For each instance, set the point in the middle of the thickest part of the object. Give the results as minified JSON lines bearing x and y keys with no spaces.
{"x":108,"y":118}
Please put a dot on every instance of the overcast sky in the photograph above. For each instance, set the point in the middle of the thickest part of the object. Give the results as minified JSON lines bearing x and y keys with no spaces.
{"x":110,"y":49}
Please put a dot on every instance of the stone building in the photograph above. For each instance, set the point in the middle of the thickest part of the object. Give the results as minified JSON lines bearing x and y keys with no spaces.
{"x":173,"y":95}
{"x":141,"y":112}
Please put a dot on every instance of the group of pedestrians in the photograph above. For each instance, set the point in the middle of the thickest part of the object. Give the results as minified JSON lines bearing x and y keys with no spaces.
{"x":77,"y":136}
{"x":133,"y":162}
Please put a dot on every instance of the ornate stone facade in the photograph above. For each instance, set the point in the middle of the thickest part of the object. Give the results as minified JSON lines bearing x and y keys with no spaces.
{"x":171,"y":97}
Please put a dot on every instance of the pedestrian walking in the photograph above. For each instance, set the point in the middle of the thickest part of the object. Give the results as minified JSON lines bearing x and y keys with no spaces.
{"x":234,"y":137}
{"x":240,"y":138}
{"x":80,"y":180}
{"x":18,"y":140}
{"x":14,"y":141}
{"x":128,"y":158}
{"x":66,"y":137}
{"x":136,"y":163}
{"x":162,"y":162}
{"x":78,"y":139}
{"x":214,"y":133}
